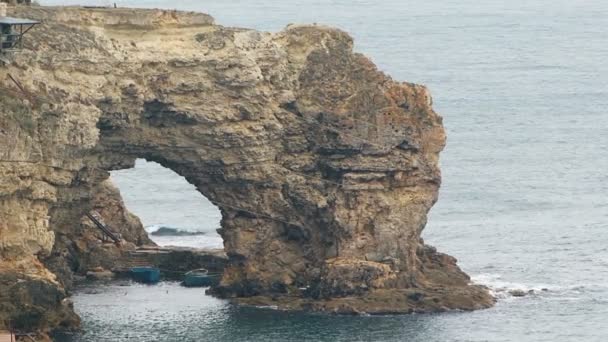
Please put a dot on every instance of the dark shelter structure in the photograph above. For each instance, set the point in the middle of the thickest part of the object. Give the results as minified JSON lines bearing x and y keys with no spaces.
{"x":17,"y":2}
{"x":12,"y":31}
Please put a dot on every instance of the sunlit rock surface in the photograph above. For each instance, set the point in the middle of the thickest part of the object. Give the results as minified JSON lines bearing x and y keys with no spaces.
{"x":324,"y":168}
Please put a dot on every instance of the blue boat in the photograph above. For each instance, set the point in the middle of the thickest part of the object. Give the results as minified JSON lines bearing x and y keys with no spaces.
{"x":146,"y":275}
{"x":200,"y":278}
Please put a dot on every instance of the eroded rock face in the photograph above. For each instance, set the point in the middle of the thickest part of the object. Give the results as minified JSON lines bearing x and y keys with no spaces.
{"x":323,"y":167}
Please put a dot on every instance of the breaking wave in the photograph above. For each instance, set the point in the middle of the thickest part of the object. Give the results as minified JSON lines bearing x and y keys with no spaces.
{"x":171,"y":231}
{"x":503,"y":289}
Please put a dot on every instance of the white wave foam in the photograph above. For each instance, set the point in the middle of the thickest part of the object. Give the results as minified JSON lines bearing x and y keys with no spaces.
{"x":501,"y":288}
{"x":152,"y":228}
{"x":205,"y":240}
{"x":195,"y":241}
{"x":157,"y":227}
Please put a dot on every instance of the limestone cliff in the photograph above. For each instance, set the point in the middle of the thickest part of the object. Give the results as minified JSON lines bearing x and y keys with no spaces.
{"x":324,"y":168}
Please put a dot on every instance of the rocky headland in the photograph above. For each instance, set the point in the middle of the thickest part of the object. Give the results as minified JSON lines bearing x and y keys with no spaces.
{"x":323,"y":167}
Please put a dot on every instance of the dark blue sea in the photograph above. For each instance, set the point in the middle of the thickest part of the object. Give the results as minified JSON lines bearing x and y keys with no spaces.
{"x":523,"y":88}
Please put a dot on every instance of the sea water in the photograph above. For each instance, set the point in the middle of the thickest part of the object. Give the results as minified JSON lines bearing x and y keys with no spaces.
{"x":523,"y":89}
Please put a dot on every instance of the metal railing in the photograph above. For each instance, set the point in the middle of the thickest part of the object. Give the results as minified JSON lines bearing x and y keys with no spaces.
{"x":115,"y":237}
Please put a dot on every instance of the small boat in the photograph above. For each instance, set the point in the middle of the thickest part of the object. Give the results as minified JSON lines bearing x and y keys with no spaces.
{"x":200,"y":278}
{"x":146,"y":275}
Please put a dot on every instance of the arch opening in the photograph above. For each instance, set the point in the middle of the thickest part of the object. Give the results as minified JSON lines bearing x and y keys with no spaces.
{"x":171,"y":209}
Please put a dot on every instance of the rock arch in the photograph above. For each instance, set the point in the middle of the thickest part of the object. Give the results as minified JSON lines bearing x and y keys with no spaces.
{"x":324,"y":168}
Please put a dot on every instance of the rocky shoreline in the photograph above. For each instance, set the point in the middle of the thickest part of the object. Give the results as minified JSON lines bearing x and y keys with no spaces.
{"x":323,"y":167}
{"x":348,"y":297}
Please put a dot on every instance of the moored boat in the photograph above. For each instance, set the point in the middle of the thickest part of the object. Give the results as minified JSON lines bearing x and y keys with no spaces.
{"x":146,"y":275}
{"x":200,"y":278}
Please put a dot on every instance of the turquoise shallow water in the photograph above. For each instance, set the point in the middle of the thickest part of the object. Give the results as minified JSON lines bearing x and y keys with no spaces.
{"x":523,"y":88}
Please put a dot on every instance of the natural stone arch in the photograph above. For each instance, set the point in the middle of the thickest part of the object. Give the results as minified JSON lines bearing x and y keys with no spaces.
{"x":324,"y":168}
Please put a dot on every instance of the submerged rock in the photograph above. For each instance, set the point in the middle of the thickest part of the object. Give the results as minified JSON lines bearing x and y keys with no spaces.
{"x":324,"y":168}
{"x":520,"y":293}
